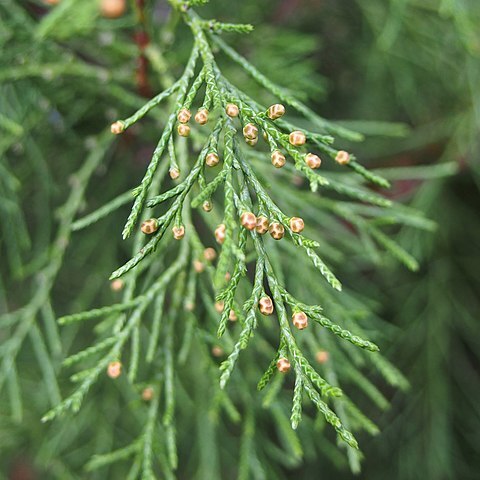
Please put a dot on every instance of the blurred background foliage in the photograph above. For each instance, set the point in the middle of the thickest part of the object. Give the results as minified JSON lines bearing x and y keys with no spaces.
{"x":65,"y":75}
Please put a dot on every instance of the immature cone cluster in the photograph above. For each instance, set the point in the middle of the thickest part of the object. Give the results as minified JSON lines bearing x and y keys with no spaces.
{"x":300,"y":320}
{"x":220,"y":233}
{"x":212,"y":159}
{"x":232,"y":110}
{"x":277,"y":231}
{"x":276,"y":111}
{"x":178,"y":232}
{"x":342,"y":157}
{"x":184,"y":115}
{"x":278,"y":159}
{"x":296,"y":224}
{"x":297,"y":138}
{"x":265,"y":305}
{"x":113,"y":8}
{"x":248,"y":220}
{"x":312,"y":160}
{"x":114,"y":369}
{"x":183,"y":130}
{"x":149,"y":226}
{"x":232,"y":316}
{"x":201,"y":117}
{"x":207,"y":206}
{"x":322,"y":356}
{"x":147,"y":394}
{"x":219,"y":306}
{"x":262,"y":225}
{"x":283,"y":365}
{"x":209,"y":254}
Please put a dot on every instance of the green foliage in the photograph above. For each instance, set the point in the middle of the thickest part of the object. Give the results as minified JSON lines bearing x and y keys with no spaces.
{"x":205,"y":419}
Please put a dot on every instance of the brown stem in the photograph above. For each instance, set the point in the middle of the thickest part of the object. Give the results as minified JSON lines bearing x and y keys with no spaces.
{"x":142,"y":40}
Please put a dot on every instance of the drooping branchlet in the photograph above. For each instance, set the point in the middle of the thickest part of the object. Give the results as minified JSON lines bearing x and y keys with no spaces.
{"x":296,"y":224}
{"x":277,"y":231}
{"x":265,"y":305}
{"x":297,"y":138}
{"x":184,"y":115}
{"x":300,"y":320}
{"x":276,"y":111}
{"x":312,"y":160}
{"x":278,"y":159}
{"x":243,"y":192}
{"x":248,"y":220}
{"x":149,"y":226}
{"x":283,"y":365}
{"x":262,"y":225}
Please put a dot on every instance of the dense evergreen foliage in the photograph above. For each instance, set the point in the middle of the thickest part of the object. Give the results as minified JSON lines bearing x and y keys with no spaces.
{"x":280,"y":271}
